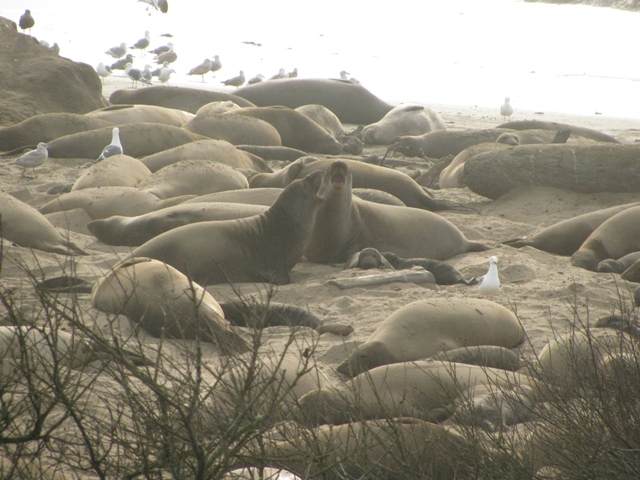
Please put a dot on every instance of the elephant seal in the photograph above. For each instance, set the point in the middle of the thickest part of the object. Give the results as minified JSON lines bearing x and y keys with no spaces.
{"x":566,"y":237}
{"x":367,"y":259}
{"x":235,"y":129}
{"x":27,"y":227}
{"x":365,"y":175}
{"x":138,"y":140}
{"x":216,"y":108}
{"x":350,"y":102}
{"x":165,"y":303}
{"x":444,"y":273}
{"x":273,"y":153}
{"x":296,"y":130}
{"x":45,"y":127}
{"x":253,"y":196}
{"x":114,"y":171}
{"x":180,"y":98}
{"x":619,"y":265}
{"x":323,"y":117}
{"x":273,"y":314}
{"x":219,"y":151}
{"x":405,"y":119}
{"x":614,"y":238}
{"x":555,"y":126}
{"x":262,"y":248}
{"x":392,"y":448}
{"x":481,"y":355}
{"x":123,"y":114}
{"x":632,"y":274}
{"x":346,"y":224}
{"x":426,"y":327}
{"x":41,"y":349}
{"x":133,"y":231}
{"x":103,"y":202}
{"x":193,"y":177}
{"x":452,"y":176}
{"x":576,"y":358}
{"x":408,"y":389}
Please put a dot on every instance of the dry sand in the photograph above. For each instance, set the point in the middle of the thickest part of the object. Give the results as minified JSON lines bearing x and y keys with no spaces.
{"x":542,"y":288}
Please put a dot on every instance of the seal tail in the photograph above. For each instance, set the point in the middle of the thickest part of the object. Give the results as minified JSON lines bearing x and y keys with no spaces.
{"x":478,"y":247}
{"x":518,"y":242}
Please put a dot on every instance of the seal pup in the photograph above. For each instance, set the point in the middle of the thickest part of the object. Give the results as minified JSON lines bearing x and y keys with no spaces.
{"x":345,"y":224}
{"x":262,"y":248}
{"x":490,"y":283}
{"x":114,"y":148}
{"x":31,"y":159}
{"x":444,"y":273}
{"x":618,"y":266}
{"x":165,"y":303}
{"x":506,"y":110}
{"x":423,"y":328}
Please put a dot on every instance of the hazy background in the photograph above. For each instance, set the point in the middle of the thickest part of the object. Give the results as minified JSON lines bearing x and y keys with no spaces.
{"x":551,"y":58}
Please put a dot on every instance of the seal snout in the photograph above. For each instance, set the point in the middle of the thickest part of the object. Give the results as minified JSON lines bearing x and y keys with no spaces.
{"x":339,"y":171}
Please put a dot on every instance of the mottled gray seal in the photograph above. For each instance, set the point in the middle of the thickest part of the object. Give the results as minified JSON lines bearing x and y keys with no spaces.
{"x":122,"y":114}
{"x":262,"y":248}
{"x":235,"y":129}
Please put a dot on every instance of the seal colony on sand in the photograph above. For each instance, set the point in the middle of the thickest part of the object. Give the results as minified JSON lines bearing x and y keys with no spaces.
{"x":345,"y":224}
{"x":262,"y":248}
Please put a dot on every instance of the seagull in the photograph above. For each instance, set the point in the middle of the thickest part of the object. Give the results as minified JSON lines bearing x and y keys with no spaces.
{"x":133,"y":73}
{"x":281,"y":74}
{"x":165,"y":73}
{"x":216,"y":64}
{"x":170,"y":56}
{"x":26,"y":21}
{"x":506,"y":110}
{"x":146,"y":75}
{"x":103,"y":70}
{"x":204,"y":67}
{"x":32,"y":159}
{"x":344,"y":76}
{"x":490,"y":283}
{"x":55,"y":48}
{"x":122,"y":63}
{"x":162,"y":49}
{"x":162,"y":5}
{"x":117,"y":52}
{"x":143,"y":43}
{"x":257,"y":79}
{"x":293,"y":74}
{"x":44,"y":43}
{"x":235,"y":81}
{"x":114,"y":148}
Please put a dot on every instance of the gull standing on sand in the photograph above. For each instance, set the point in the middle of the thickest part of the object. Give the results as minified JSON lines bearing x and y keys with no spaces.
{"x":216,"y":64}
{"x":103,"y":70}
{"x":161,"y":49}
{"x":143,"y":43}
{"x":165,"y":73}
{"x":170,"y":56}
{"x":26,"y":21}
{"x":204,"y":67}
{"x":133,"y":73}
{"x":114,"y":148}
{"x":490,"y":283}
{"x":122,"y":63}
{"x":147,"y":75}
{"x":117,"y":52}
{"x":235,"y":81}
{"x":32,"y":159}
{"x":506,"y":110}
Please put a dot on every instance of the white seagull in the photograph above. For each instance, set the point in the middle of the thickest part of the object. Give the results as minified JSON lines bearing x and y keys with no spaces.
{"x":216,"y":64}
{"x":114,"y":148}
{"x":32,"y":159}
{"x":506,"y":110}
{"x":103,"y":70}
{"x":143,"y":43}
{"x":165,"y":73}
{"x":491,"y":281}
{"x":117,"y":52}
